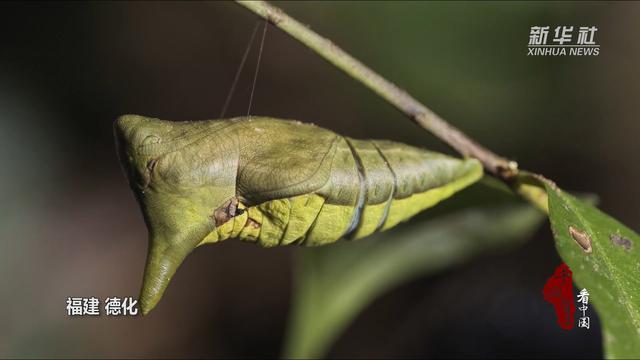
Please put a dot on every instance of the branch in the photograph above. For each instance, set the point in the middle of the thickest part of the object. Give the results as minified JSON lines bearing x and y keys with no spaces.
{"x":420,"y":114}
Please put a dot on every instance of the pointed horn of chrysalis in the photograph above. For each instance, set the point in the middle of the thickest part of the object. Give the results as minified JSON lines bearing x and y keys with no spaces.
{"x":163,"y":259}
{"x":175,"y":229}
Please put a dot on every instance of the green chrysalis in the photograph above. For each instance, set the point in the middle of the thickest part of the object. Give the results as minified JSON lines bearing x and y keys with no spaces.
{"x":273,"y":182}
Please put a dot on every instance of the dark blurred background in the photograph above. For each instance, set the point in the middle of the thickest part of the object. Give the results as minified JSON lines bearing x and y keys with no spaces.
{"x":69,"y":225}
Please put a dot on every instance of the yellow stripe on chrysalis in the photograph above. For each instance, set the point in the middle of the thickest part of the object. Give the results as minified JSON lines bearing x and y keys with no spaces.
{"x":331,"y":224}
{"x":370,"y":218}
{"x":274,"y":221}
{"x":304,"y":210}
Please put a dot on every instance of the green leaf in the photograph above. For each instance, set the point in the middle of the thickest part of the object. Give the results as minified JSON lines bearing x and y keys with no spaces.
{"x":604,"y":256}
{"x":334,"y":283}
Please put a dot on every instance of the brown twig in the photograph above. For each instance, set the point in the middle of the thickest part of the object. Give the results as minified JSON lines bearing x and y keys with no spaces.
{"x":420,"y":114}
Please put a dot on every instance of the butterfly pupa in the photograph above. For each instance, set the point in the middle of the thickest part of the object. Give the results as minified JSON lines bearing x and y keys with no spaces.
{"x":272,"y":182}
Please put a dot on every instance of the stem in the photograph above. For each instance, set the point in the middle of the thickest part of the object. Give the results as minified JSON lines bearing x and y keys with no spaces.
{"x":420,"y":114}
{"x":495,"y":165}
